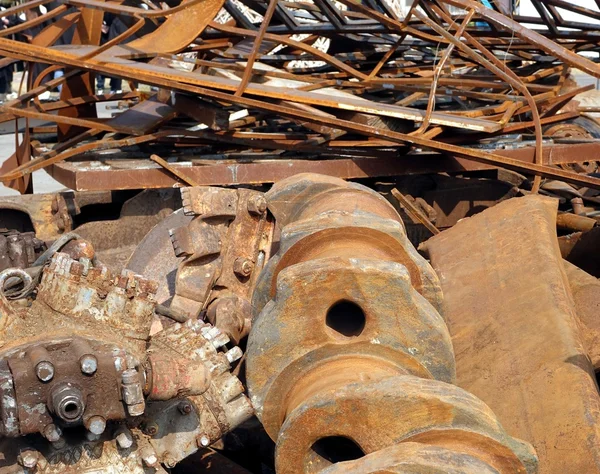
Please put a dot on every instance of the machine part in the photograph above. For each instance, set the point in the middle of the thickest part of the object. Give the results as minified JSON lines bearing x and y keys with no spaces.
{"x":214,"y":401}
{"x":224,"y":248}
{"x":19,"y":249}
{"x":350,"y":349}
{"x":47,"y":215}
{"x":518,"y":343}
{"x":154,"y":256}
{"x":314,"y":210}
{"x":79,"y":367}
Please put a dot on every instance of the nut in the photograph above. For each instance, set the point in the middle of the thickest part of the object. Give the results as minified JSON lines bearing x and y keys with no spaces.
{"x":44,"y":371}
{"x":243,"y":267}
{"x":257,"y":204}
{"x":28,"y":458}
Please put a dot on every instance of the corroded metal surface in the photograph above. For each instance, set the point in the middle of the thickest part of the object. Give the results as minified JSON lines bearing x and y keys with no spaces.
{"x":19,"y":249}
{"x":349,"y":346}
{"x":517,"y":340}
{"x":586,"y":295}
{"x":368,"y":80}
{"x":79,"y":367}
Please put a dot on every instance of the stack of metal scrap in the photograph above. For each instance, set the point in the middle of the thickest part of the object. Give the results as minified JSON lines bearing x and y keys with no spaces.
{"x":253,"y":91}
{"x":437,"y":315}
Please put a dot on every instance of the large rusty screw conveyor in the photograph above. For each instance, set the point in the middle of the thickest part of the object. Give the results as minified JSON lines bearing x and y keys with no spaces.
{"x":350,"y":354}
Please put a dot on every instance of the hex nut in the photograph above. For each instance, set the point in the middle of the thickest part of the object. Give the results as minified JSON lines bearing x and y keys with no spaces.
{"x":243,"y":267}
{"x":88,"y":364}
{"x":257,"y":204}
{"x":44,"y":371}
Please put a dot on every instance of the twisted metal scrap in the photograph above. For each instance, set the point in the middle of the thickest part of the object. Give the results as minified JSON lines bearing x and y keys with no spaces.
{"x":384,"y":83}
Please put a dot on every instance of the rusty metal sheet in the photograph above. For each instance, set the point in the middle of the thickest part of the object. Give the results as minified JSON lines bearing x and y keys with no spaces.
{"x":586,"y":294}
{"x":515,"y":332}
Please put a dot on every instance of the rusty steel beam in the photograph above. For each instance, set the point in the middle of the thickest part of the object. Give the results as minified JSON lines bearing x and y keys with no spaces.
{"x":136,"y":174}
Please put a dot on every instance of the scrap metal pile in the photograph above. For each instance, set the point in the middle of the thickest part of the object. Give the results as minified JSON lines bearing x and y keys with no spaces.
{"x":252,"y":92}
{"x":176,"y":313}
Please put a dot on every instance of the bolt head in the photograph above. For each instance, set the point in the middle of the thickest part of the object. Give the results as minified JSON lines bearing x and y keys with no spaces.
{"x":88,"y":364}
{"x":185,"y":408}
{"x":203,"y":441}
{"x":257,"y":205}
{"x":149,"y":457}
{"x":52,"y":433}
{"x":125,"y":439}
{"x":169,"y":460}
{"x":28,"y":458}
{"x":44,"y":371}
{"x":96,"y":425}
{"x":233,"y":354}
{"x":151,"y":428}
{"x":243,"y":267}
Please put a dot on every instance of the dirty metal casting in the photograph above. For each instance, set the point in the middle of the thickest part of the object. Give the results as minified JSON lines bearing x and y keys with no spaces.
{"x":19,"y":249}
{"x":79,"y":367}
{"x":224,"y":247}
{"x":350,"y":354}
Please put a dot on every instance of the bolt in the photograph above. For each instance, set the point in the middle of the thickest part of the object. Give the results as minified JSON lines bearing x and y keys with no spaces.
{"x":257,"y":205}
{"x":136,"y":409}
{"x":130,"y":376}
{"x":52,"y":433}
{"x":149,"y":456}
{"x":28,"y":458}
{"x":185,"y":408}
{"x":242,"y":267}
{"x":233,"y":354}
{"x":91,"y":436}
{"x":169,"y":460}
{"x":151,"y":428}
{"x":96,"y":425}
{"x":203,"y":441}
{"x":44,"y":371}
{"x":88,"y":364}
{"x":125,"y":439}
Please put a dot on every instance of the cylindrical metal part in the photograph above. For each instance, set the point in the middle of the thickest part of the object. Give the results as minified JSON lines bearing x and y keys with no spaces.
{"x":67,"y":403}
{"x":349,"y":348}
{"x":168,"y":378}
{"x":40,"y":359}
{"x":95,"y":424}
{"x":88,"y":362}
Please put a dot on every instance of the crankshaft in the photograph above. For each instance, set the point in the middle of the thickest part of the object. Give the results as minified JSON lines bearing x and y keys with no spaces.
{"x":350,"y":365}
